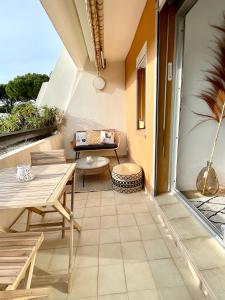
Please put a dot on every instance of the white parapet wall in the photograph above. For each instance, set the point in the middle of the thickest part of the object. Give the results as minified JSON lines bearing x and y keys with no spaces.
{"x":22,"y":155}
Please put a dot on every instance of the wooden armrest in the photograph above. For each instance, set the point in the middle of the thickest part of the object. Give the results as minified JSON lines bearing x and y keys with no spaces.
{"x":33,"y":293}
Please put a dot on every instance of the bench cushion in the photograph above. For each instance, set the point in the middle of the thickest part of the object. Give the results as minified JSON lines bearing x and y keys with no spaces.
{"x":95,"y":147}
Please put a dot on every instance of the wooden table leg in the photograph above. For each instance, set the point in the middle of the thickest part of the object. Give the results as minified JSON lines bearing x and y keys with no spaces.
{"x":71,"y":256}
{"x":72,"y":192}
{"x":64,"y":219}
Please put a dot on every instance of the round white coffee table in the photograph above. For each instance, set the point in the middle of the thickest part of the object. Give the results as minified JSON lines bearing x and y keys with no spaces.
{"x":92,"y":165}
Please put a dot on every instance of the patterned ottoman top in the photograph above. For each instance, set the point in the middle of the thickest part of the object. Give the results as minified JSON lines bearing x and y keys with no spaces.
{"x":127,"y":169}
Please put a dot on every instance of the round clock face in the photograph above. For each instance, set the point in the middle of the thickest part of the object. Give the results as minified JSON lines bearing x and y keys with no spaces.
{"x":99,"y":83}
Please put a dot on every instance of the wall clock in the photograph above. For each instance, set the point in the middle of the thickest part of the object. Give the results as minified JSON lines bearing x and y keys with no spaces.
{"x":99,"y":83}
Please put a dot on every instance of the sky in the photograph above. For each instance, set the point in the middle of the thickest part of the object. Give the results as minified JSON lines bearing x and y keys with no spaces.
{"x":28,"y":40}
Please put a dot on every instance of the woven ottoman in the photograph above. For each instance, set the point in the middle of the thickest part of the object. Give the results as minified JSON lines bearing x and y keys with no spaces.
{"x":127,"y":178}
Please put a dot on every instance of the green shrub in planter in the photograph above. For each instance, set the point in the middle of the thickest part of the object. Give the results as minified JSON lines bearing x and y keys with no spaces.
{"x":9,"y":123}
{"x":29,"y":116}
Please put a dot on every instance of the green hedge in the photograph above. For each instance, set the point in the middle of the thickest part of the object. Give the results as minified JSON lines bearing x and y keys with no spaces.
{"x":29,"y":116}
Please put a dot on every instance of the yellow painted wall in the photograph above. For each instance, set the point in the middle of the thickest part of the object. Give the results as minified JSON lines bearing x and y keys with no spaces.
{"x":141,"y":142}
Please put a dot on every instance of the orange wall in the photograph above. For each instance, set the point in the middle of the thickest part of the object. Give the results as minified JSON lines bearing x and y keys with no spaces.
{"x":141,"y":142}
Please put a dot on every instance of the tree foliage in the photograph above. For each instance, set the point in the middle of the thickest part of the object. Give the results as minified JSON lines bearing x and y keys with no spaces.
{"x":5,"y":99}
{"x":25,"y":87}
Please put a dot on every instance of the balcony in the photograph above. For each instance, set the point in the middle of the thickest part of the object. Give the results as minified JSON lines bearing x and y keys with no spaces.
{"x":124,"y":75}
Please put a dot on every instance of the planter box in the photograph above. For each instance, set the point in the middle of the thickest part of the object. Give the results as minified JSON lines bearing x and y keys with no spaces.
{"x":11,"y":138}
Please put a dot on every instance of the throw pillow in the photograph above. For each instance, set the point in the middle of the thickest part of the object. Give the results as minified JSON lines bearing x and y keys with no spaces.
{"x":81,"y":138}
{"x":107,"y":137}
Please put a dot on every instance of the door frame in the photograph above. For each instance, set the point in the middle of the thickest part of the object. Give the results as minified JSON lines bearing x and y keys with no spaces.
{"x":177,"y":88}
{"x":175,"y":117}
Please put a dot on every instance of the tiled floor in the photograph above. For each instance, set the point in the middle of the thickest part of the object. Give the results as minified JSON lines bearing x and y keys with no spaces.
{"x":122,"y":253}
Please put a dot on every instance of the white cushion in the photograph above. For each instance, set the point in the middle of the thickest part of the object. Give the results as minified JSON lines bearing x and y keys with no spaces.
{"x":107,"y":137}
{"x":81,"y":138}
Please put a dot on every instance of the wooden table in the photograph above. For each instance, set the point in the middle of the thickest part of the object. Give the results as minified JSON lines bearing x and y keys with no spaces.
{"x":44,"y":191}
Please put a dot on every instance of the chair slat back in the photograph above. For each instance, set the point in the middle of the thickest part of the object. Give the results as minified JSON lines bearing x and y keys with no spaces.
{"x":48,"y":157}
{"x":16,"y":253}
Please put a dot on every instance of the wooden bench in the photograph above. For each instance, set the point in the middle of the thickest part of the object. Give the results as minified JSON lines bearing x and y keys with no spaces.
{"x":17,"y":258}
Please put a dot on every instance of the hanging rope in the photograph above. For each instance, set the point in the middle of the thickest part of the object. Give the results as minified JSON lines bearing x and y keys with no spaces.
{"x":96,"y":20}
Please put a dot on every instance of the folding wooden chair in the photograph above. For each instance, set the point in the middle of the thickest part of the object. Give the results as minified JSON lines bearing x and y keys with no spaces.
{"x":48,"y":158}
{"x":17,"y":258}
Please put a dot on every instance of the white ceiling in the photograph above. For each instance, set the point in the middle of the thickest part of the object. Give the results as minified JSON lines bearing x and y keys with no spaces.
{"x":121,"y":18}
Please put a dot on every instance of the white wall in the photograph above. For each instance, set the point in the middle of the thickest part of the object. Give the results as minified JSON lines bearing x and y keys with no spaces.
{"x":86,"y":108}
{"x":91,"y":109}
{"x":195,"y":144}
{"x":58,"y":90}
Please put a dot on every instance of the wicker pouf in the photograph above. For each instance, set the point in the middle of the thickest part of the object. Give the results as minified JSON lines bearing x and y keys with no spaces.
{"x":127,"y":178}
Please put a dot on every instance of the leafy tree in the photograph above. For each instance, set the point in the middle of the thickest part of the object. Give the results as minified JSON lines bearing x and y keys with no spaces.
{"x":25,"y":87}
{"x":4,"y":98}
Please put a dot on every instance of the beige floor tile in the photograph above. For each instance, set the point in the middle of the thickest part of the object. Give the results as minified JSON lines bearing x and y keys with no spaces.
{"x":175,"y":251}
{"x":110,"y":254}
{"x":94,"y":195}
{"x":110,"y":235}
{"x":156,"y":249}
{"x":86,"y":298}
{"x":133,"y":252}
{"x":60,"y":260}
{"x":138,"y":276}
{"x":108,"y":201}
{"x":93,"y":202}
{"x":78,"y":213}
{"x":114,"y":297}
{"x":216,"y":279}
{"x":165,"y":273}
{"x":144,"y":295}
{"x":206,"y":252}
{"x":126,"y":220}
{"x":129,"y":234}
{"x":192,"y":282}
{"x":43,"y":260}
{"x":86,"y":256}
{"x":80,"y":203}
{"x":124,"y":209}
{"x":89,"y":237}
{"x":111,"y":280}
{"x":221,"y":296}
{"x":108,"y":210}
{"x":166,"y":199}
{"x":139,"y":208}
{"x":92,"y":211}
{"x":84,"y":283}
{"x":81,"y":196}
{"x":175,"y":293}
{"x":58,"y":291}
{"x":54,"y":240}
{"x":175,"y":210}
{"x":91,"y":223}
{"x":188,"y":228}
{"x":107,"y":194}
{"x":149,"y":232}
{"x":109,"y":221}
{"x":144,"y":218}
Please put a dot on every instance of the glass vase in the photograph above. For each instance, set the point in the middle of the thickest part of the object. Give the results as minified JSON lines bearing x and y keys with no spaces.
{"x":207,"y":181}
